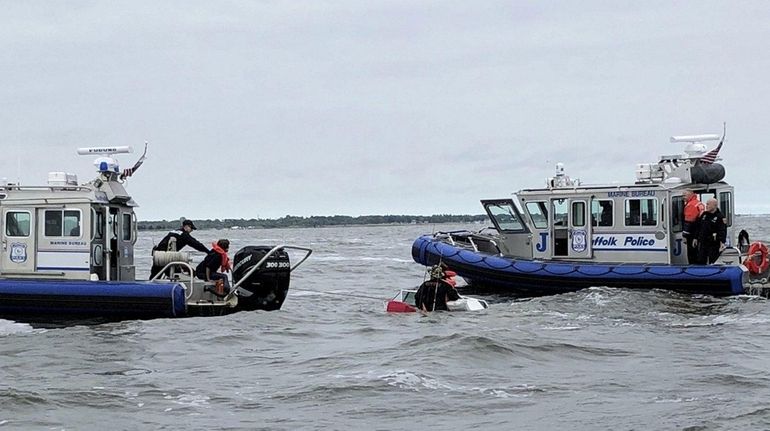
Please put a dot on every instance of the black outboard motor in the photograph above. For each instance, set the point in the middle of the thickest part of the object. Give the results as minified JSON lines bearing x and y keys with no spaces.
{"x":269,"y":284}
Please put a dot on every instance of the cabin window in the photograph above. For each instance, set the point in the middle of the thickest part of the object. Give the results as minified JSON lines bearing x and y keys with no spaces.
{"x":505,"y":217}
{"x":560,"y":212}
{"x":578,"y":214}
{"x":62,"y":223}
{"x":601,"y":212}
{"x":539,"y":213}
{"x":125,"y":228}
{"x":17,"y":223}
{"x":97,"y":225}
{"x":641,"y":212}
{"x":677,"y":213}
{"x":725,"y":203}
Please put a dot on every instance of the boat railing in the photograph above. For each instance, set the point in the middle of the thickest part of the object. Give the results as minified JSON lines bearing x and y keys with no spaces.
{"x":731,"y":256}
{"x":191,"y":271}
{"x":67,"y":188}
{"x":264,"y":259}
{"x":462,"y":237}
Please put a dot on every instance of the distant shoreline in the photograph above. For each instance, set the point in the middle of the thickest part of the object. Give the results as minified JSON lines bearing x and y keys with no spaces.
{"x":316,"y":221}
{"x":330,"y":221}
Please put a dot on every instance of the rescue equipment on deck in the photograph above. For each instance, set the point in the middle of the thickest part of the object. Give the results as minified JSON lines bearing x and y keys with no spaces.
{"x":163,"y":258}
{"x":756,"y":260}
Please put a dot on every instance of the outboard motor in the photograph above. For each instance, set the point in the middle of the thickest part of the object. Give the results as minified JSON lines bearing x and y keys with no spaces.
{"x":268,"y":284}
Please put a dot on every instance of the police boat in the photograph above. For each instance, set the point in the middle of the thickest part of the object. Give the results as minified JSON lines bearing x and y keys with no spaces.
{"x":568,"y":236}
{"x":68,"y":253}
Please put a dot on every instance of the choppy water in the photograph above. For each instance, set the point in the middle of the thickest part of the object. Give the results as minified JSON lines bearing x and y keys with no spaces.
{"x":596,"y":359}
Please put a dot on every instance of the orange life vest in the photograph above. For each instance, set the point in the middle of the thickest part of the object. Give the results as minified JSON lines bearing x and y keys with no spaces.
{"x":449,"y":277}
{"x":225,"y":258}
{"x":692,"y":209}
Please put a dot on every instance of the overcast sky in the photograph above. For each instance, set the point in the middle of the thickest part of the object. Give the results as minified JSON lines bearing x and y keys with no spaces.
{"x":269,"y":108}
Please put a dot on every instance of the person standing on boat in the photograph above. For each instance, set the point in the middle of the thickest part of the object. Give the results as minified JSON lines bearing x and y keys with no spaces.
{"x":434,"y":293}
{"x":216,"y":259}
{"x":176,"y":240}
{"x":711,"y":233}
{"x":693,"y":208}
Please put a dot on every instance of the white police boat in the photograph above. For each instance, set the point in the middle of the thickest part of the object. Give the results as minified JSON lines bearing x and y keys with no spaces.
{"x":67,"y":252}
{"x":568,"y":236}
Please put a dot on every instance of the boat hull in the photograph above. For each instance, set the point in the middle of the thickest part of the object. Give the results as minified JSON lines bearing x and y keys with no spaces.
{"x":527,"y":277}
{"x":26,"y":299}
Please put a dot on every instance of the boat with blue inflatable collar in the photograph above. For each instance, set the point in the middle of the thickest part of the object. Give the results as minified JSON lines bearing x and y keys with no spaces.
{"x":68,"y":253}
{"x":568,"y":236}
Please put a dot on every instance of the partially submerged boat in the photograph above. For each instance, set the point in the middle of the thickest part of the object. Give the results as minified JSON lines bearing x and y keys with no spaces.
{"x":405,"y":299}
{"x":568,"y":236}
{"x":68,"y":252}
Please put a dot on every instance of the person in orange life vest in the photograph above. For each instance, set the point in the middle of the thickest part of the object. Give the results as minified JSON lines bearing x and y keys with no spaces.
{"x":216,"y":259}
{"x":693,"y":208}
{"x":710,"y":234}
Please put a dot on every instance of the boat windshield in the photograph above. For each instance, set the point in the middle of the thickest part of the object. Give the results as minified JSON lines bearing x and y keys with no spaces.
{"x":505,"y":217}
{"x":539,"y":213}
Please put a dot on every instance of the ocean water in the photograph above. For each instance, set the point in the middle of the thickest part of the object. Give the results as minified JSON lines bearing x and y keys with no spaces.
{"x":598,"y":359}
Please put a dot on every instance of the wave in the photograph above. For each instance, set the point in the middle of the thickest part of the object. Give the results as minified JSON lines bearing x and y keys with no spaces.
{"x":483,"y":349}
{"x":11,"y":397}
{"x":338,"y":258}
{"x":8,"y":327}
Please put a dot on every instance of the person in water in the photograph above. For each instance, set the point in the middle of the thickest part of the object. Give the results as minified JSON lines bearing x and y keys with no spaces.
{"x":693,"y":208}
{"x":176,"y":240}
{"x":711,"y":233}
{"x":434,"y":293}
{"x":216,"y":260}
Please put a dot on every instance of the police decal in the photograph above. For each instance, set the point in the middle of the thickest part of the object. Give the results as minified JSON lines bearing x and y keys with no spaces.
{"x":578,"y":241}
{"x":18,"y":252}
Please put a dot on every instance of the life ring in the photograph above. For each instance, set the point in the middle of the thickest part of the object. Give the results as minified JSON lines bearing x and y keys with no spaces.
{"x":756,"y":258}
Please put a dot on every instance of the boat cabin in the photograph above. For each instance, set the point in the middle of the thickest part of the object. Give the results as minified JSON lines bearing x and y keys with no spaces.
{"x":63,"y":230}
{"x":639,"y":222}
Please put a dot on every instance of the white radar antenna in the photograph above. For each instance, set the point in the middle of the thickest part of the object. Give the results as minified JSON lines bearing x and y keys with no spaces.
{"x":106,"y":164}
{"x":695,"y":147}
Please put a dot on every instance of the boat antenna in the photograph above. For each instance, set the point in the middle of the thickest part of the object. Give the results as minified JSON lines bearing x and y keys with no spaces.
{"x":130,"y":171}
{"x":724,"y":132}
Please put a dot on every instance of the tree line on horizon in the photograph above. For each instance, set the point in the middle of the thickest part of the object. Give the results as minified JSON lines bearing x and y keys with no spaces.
{"x":314,"y":221}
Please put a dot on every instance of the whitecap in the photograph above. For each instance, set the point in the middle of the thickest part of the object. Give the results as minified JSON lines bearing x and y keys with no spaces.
{"x":408,"y":380}
{"x":8,"y":327}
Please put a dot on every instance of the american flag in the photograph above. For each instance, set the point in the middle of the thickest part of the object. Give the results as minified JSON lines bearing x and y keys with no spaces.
{"x":711,"y":156}
{"x":130,"y":171}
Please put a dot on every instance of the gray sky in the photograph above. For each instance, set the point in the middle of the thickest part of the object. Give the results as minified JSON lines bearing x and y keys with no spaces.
{"x":268,"y":108}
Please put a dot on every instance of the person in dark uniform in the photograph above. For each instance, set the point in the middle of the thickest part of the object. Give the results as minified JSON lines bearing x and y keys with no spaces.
{"x":606,"y":215}
{"x":216,"y":259}
{"x":711,"y":233}
{"x":176,"y":240}
{"x":434,"y":293}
